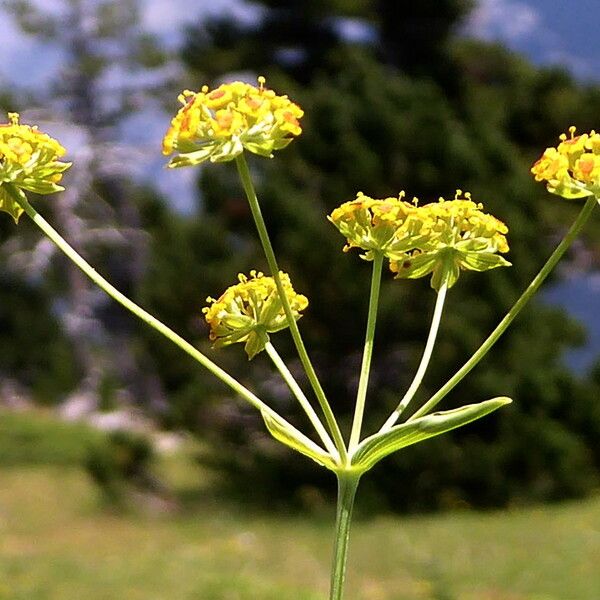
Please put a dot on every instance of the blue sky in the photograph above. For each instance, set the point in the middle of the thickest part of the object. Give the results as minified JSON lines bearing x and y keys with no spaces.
{"x":548,"y":31}
{"x":24,"y":53}
{"x":560,"y":32}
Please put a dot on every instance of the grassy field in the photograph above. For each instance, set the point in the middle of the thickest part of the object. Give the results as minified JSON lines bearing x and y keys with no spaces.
{"x":56,"y":543}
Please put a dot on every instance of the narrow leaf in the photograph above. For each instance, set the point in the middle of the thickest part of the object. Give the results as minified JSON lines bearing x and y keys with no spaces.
{"x":483,"y":261}
{"x":378,"y":446}
{"x":567,"y":190}
{"x":290,"y":436}
{"x":9,"y":205}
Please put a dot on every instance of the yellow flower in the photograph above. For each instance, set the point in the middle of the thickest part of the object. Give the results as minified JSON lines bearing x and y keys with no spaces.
{"x":572,"y":169}
{"x":250,"y":310}
{"x":29,"y":161}
{"x":388,"y":225}
{"x":442,"y":238}
{"x":455,"y":235}
{"x":218,"y":125}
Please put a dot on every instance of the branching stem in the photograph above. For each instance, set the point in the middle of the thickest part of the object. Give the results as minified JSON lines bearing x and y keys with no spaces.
{"x":365,"y":368}
{"x":259,"y":221}
{"x":533,"y":287}
{"x":425,"y":359}
{"x":347,"y":486}
{"x":131,"y":306}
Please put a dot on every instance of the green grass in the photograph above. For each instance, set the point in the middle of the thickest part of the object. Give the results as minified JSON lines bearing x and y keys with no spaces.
{"x":36,"y":438}
{"x":55,"y":544}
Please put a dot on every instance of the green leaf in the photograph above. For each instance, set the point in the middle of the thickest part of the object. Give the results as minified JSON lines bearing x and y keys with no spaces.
{"x":568,"y":190}
{"x":190,"y":155}
{"x":483,"y":261}
{"x":446,"y":271}
{"x":378,"y":446}
{"x":9,"y":205}
{"x":256,"y":342}
{"x":288,"y":435}
{"x":415,"y":266}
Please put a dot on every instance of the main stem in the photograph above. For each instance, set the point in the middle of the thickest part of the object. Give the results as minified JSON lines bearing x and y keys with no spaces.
{"x":347,"y":486}
{"x":139,"y":312}
{"x":365,"y":368}
{"x":425,"y":359}
{"x":533,"y":287}
{"x":302,"y":399}
{"x":332,"y":424}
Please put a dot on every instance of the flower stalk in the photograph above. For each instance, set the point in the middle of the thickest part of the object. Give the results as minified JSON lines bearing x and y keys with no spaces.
{"x":259,"y":221}
{"x":19,"y":198}
{"x":302,"y":399}
{"x":365,"y":368}
{"x":347,"y":486}
{"x":425,"y":359}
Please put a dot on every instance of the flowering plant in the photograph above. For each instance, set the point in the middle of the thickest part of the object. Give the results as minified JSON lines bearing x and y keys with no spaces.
{"x":441,"y":239}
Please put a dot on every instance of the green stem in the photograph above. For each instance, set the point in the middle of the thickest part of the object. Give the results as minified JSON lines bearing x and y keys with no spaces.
{"x":347,"y":486}
{"x":574,"y":230}
{"x":139,"y":312}
{"x":332,"y":424}
{"x":302,"y":399}
{"x":425,"y":359}
{"x":365,"y":368}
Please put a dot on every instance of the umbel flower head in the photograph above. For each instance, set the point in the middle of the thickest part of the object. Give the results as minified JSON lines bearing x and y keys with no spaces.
{"x":29,"y":160}
{"x":441,"y":238}
{"x":250,"y":310}
{"x":219,"y":124}
{"x":456,"y":235}
{"x":572,"y":169}
{"x":388,"y":226}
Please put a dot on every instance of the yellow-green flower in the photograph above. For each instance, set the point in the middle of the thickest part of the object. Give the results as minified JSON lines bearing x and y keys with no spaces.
{"x":28,"y":161}
{"x":455,"y":235}
{"x":218,"y":125}
{"x":387,"y":226}
{"x":572,"y":169}
{"x":250,"y":310}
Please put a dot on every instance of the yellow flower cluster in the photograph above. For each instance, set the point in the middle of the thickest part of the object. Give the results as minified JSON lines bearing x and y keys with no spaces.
{"x":441,"y":238}
{"x":456,"y":235}
{"x":388,"y":225}
{"x":250,"y":310}
{"x":29,"y":161}
{"x":572,"y":169}
{"x":219,"y":124}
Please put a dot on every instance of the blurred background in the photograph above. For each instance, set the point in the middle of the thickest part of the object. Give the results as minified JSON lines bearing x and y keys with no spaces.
{"x":111,"y":439}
